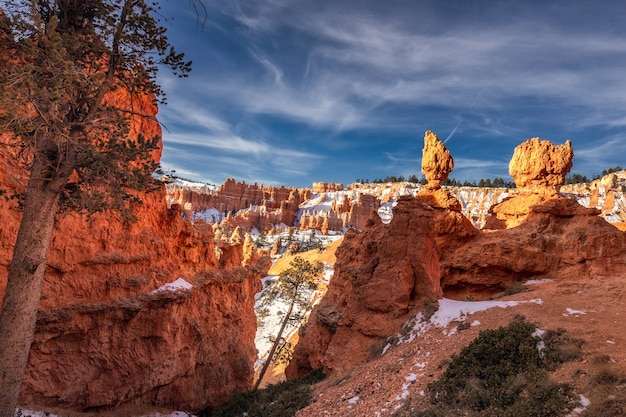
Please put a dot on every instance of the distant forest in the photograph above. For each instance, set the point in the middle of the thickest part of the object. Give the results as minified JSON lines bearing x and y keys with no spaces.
{"x":497,"y":182}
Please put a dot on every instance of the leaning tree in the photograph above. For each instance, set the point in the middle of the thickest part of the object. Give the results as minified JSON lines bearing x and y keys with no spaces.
{"x":61,"y":62}
{"x":291,"y":286}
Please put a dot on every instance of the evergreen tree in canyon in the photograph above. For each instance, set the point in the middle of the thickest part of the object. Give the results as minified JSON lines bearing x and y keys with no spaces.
{"x":62,"y":65}
{"x":292,"y":284}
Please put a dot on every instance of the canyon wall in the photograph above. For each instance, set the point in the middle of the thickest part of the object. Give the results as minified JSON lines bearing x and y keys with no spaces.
{"x":150,"y":313}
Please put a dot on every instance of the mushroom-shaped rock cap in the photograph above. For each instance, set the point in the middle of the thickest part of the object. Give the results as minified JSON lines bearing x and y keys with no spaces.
{"x":539,"y":164}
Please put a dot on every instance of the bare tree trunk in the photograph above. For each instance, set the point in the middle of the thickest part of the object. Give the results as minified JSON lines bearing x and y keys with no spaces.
{"x":25,"y":279}
{"x":275,"y":345}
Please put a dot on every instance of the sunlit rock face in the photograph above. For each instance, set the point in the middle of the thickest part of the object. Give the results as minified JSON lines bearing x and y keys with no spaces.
{"x":381,"y":276}
{"x":540,"y":166}
{"x":437,"y":162}
{"x":539,"y":169}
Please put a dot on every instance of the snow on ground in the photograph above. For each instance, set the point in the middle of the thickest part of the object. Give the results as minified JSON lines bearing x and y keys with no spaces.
{"x":289,"y":235}
{"x":538,"y":281}
{"x":449,"y":311}
{"x":385,"y":211}
{"x":211,"y":215}
{"x":584,"y":403}
{"x":572,"y":312}
{"x":179,"y":284}
{"x":202,"y":187}
{"x":271,"y":308}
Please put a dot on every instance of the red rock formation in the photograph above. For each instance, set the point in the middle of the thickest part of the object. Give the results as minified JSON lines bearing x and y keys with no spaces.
{"x":539,"y":166}
{"x":437,"y":163}
{"x":326,"y":187}
{"x":104,"y":340}
{"x":382,"y":276}
{"x":557,"y":238}
{"x":383,"y":273}
{"x":539,"y":169}
{"x":252,"y":205}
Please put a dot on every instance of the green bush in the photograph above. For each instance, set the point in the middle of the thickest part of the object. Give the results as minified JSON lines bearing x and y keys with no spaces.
{"x":280,"y":400}
{"x":502,"y":373}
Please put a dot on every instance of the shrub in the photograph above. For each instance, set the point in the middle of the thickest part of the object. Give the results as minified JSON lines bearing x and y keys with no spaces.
{"x":280,"y":400}
{"x":502,"y":373}
{"x":560,"y":348}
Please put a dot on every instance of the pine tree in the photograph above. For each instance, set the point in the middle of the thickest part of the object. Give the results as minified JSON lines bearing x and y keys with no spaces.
{"x":60,"y":61}
{"x":291,"y":284}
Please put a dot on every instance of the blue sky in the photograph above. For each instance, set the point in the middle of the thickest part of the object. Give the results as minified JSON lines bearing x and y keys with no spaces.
{"x":292,"y":91}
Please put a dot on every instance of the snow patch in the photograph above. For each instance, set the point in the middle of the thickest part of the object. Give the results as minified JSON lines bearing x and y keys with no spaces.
{"x":538,"y":281}
{"x":452,"y":310}
{"x":584,"y":403}
{"x":179,"y":284}
{"x":541,"y":345}
{"x":572,"y":312}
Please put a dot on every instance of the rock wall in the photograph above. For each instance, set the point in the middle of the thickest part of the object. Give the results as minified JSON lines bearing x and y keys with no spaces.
{"x":106,"y":336}
{"x":382,"y":277}
{"x":251,"y":205}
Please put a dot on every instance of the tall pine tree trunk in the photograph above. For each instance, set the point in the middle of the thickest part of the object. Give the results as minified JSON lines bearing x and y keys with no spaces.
{"x":25,"y":279}
{"x":268,"y":361}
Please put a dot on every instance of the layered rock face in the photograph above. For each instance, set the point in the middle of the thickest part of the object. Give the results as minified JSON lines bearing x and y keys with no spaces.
{"x":110,"y":333}
{"x":383,"y":274}
{"x":267,"y":208}
{"x":557,"y":237}
{"x":325,"y":187}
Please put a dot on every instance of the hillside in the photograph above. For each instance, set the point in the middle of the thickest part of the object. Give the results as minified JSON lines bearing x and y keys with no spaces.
{"x":394,"y":382}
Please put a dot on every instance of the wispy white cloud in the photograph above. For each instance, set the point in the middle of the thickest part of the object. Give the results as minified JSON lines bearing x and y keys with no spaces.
{"x":364,"y":59}
{"x":269,"y":65}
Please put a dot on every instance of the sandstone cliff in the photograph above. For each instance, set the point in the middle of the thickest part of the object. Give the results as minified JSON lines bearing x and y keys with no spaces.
{"x":111,"y":333}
